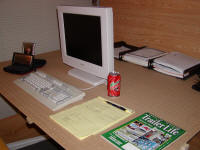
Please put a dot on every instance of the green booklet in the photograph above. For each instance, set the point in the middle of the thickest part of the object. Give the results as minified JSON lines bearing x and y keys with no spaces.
{"x":146,"y":132}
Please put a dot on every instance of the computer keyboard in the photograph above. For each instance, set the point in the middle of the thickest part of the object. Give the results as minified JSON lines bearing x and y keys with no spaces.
{"x":48,"y":90}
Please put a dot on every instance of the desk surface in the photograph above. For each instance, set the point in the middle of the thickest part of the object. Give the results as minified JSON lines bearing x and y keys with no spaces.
{"x":141,"y":89}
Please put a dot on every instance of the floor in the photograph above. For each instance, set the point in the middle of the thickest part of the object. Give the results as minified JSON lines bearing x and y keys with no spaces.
{"x":21,"y":130}
{"x":15,"y":128}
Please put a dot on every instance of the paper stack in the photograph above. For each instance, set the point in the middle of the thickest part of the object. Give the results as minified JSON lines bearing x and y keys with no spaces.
{"x":176,"y":64}
{"x":143,"y":56}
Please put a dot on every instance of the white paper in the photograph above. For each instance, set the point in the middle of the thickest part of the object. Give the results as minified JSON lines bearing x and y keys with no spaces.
{"x":176,"y":61}
{"x":142,"y":56}
{"x":118,"y":50}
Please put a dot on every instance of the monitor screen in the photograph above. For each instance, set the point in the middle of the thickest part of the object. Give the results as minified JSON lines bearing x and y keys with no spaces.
{"x":86,"y":35}
{"x":78,"y":45}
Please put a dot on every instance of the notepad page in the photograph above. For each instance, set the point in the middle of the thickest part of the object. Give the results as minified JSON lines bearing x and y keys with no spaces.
{"x":89,"y":118}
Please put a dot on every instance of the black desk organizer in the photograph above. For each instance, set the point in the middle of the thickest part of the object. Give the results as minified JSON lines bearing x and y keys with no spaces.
{"x":22,"y":68}
{"x":196,"y":86}
{"x":131,"y":47}
{"x":37,"y":63}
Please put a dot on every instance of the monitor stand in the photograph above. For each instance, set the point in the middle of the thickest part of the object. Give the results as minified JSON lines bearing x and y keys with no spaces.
{"x":86,"y":77}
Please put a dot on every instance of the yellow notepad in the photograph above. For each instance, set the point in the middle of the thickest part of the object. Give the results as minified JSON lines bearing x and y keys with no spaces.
{"x":90,"y":117}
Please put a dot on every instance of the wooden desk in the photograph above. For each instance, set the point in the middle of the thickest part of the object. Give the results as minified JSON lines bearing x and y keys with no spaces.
{"x":141,"y":89}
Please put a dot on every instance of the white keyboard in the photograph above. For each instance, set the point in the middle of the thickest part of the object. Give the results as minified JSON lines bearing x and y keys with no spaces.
{"x":48,"y":90}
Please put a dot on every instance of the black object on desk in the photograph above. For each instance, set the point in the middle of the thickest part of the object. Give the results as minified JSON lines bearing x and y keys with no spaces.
{"x":38,"y":63}
{"x":131,"y":48}
{"x":23,"y":63}
{"x":196,"y":86}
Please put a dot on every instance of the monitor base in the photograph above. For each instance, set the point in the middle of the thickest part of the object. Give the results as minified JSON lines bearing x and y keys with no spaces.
{"x":86,"y":77}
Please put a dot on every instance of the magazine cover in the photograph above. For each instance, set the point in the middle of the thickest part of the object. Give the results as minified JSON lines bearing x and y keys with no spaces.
{"x":146,"y":132}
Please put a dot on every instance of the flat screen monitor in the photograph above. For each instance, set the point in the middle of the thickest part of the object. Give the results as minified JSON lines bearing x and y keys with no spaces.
{"x":86,"y":37}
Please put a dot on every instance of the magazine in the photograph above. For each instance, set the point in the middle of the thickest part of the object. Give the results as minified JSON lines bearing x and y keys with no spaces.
{"x":146,"y":132}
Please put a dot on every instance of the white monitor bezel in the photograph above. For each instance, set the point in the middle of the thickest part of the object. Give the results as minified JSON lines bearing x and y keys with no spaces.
{"x":106,"y":18}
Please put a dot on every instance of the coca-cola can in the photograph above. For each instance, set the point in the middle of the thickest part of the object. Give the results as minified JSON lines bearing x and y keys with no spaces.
{"x":113,"y":85}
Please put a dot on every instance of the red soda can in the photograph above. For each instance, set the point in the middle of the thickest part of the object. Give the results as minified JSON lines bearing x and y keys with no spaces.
{"x":113,"y":85}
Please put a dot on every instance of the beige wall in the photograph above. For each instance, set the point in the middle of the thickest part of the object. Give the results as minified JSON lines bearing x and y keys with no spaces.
{"x":32,"y":21}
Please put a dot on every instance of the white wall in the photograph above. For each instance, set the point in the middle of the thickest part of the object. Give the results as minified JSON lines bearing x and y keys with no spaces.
{"x":31,"y":21}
